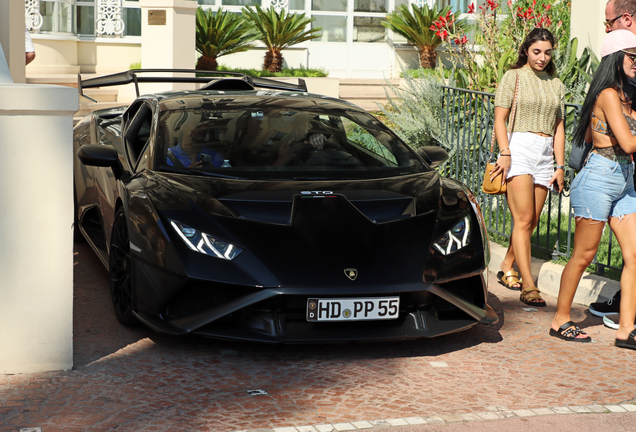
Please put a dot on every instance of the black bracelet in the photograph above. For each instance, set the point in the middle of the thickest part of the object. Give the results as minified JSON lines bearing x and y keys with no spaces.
{"x":500,"y":155}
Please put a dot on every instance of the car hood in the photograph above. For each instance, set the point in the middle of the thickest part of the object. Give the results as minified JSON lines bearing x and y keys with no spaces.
{"x":379,"y":200}
{"x":290,"y":230}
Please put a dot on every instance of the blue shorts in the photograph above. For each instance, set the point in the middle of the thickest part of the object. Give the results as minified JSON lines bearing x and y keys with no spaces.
{"x":603,"y":189}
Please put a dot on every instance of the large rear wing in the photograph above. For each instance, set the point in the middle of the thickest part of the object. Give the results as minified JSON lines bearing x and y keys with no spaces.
{"x":241,"y":82}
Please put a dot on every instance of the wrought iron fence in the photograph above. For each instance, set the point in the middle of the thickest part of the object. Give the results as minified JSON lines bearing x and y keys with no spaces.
{"x":467,"y":123}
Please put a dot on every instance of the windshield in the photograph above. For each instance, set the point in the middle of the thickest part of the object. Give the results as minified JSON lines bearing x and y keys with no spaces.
{"x":279,"y":143}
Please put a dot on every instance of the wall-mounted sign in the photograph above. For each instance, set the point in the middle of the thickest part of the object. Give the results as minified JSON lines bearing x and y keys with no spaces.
{"x":157,"y":17}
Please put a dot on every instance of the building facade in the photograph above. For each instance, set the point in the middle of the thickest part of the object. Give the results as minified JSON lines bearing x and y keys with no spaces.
{"x":103,"y":36}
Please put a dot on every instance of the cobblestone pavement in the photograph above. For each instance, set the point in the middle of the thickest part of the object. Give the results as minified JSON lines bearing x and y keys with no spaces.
{"x":138,"y":380}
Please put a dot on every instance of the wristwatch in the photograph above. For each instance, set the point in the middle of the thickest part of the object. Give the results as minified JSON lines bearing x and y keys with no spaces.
{"x":561,"y":167}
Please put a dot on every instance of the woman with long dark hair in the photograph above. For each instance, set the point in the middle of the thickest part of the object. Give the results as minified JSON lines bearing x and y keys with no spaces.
{"x":604,"y":189}
{"x":527,"y":151}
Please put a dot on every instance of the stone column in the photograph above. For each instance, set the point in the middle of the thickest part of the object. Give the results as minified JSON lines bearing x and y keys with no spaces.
{"x":587,"y":24}
{"x":36,"y":227}
{"x":167,"y":38}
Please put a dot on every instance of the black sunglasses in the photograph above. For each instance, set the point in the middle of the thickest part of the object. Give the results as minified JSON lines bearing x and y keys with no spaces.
{"x":610,"y":23}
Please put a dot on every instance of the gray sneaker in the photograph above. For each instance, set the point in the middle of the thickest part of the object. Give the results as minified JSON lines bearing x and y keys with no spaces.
{"x":611,"y":321}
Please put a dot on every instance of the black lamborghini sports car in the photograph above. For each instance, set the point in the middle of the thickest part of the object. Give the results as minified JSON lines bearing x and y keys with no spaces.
{"x":252,"y":210}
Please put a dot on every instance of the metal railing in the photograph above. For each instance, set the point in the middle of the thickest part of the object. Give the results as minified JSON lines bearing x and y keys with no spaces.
{"x":467,"y":123}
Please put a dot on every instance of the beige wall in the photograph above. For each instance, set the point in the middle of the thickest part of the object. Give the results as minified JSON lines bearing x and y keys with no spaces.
{"x":587,"y":24}
{"x":104,"y":57}
{"x":54,"y":56}
{"x":72,"y":55}
{"x":170,"y":45}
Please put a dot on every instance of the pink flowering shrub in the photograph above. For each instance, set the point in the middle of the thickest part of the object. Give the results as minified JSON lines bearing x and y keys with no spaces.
{"x":482,"y":59}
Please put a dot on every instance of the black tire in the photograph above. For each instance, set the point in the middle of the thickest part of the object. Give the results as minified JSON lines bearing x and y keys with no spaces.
{"x":77,"y":235}
{"x":120,"y":271}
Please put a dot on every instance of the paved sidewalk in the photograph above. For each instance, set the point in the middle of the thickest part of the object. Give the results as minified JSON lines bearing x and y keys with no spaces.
{"x":137,"y":380}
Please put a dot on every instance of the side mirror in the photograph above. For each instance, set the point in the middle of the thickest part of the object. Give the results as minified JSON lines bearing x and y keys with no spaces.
{"x":433,"y":155}
{"x":100,"y":156}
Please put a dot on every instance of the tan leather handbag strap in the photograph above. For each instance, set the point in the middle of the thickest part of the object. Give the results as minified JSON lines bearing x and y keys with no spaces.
{"x":511,"y":118}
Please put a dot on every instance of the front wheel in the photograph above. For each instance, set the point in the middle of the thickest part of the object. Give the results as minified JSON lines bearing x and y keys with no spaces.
{"x":120,"y":271}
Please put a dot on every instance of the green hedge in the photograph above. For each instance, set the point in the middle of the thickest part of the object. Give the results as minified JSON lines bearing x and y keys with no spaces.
{"x":291,"y":72}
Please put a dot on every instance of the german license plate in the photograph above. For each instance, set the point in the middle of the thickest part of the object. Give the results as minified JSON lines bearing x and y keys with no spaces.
{"x":353,"y":309}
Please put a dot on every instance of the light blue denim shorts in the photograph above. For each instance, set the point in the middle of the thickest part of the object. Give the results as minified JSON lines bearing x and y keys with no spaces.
{"x":603,"y":189}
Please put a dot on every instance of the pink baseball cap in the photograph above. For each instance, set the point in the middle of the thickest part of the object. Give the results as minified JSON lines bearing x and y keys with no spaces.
{"x":619,"y":40}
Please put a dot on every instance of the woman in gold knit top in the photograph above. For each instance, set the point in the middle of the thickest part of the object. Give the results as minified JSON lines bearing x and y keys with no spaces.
{"x":527,"y":155}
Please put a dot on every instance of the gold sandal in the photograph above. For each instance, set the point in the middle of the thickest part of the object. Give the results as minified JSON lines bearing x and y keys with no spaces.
{"x":510,"y":280}
{"x":532,"y":297}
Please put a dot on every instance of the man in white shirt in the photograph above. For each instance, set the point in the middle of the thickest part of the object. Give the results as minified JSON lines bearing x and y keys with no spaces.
{"x":28,"y":46}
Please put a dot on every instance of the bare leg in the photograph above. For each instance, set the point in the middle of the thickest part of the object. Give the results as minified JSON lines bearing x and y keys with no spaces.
{"x":525,"y":201}
{"x":539,"y":200}
{"x":587,"y":236}
{"x":624,"y":229}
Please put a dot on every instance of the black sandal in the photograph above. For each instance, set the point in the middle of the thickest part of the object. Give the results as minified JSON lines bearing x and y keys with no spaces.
{"x":569,"y":332}
{"x":627,"y":343}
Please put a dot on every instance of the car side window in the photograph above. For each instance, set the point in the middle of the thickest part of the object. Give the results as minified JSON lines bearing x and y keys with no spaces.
{"x":363,"y":138}
{"x":144,"y":159}
{"x":138,"y":133}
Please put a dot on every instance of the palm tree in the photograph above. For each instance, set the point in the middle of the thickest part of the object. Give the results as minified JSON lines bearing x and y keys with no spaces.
{"x":416,"y":28}
{"x":279,"y":30}
{"x":221,"y":33}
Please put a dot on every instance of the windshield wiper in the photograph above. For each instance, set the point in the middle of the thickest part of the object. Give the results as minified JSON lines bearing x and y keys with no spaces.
{"x":318,"y":178}
{"x":179,"y":170}
{"x":214,"y":174}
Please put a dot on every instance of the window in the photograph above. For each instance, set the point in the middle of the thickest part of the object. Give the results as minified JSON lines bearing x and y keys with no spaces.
{"x":132,"y":21}
{"x":297,"y":5}
{"x":329,"y":5}
{"x":79,"y":16}
{"x":249,"y":140}
{"x":458,"y":6}
{"x":57,"y":16}
{"x":370,"y":5}
{"x":362,"y":137}
{"x":334,"y":28}
{"x":368,"y":29}
{"x":85,"y":18}
{"x":240,"y":2}
{"x":138,"y":132}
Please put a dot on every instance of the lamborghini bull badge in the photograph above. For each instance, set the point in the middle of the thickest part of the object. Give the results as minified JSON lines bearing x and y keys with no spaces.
{"x":351,"y":273}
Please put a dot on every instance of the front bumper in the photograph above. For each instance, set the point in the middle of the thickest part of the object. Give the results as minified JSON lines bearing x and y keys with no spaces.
{"x":277,"y":314}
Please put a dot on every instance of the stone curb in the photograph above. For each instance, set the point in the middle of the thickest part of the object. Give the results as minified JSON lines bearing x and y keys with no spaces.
{"x":592,"y":288}
{"x":491,"y":413}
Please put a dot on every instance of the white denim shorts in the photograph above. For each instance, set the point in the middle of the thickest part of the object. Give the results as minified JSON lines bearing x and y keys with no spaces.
{"x":532,"y":154}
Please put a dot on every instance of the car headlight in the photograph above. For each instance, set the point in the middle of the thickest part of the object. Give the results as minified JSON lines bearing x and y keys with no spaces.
{"x":481,"y":223}
{"x":206,"y":244}
{"x":454,"y":239}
